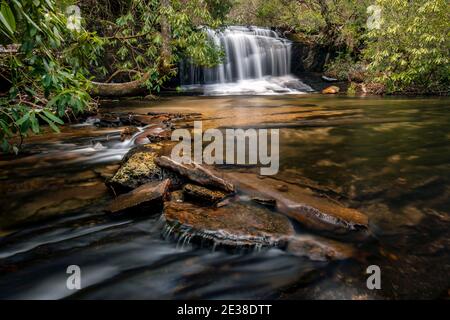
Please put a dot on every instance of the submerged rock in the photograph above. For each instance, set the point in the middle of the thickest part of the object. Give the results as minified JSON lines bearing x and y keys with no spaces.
{"x":319,"y":249}
{"x":302,"y":205}
{"x":139,"y":168}
{"x":154,"y":134}
{"x":202,"y":194}
{"x":195,"y":173}
{"x":128,"y":119}
{"x":235,"y":225}
{"x":147,"y":198}
{"x":331,"y":90}
{"x":268,"y":202}
{"x":128,"y":132}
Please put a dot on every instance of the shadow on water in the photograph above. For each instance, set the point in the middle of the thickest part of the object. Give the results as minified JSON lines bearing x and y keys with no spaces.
{"x":387,"y":157}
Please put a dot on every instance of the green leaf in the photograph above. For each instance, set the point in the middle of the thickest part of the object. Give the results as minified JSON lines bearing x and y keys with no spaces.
{"x":19,"y":5}
{"x":7,"y":18}
{"x":24,"y":119}
{"x":5,"y":128}
{"x":34,"y":123}
{"x":5,"y":145}
{"x":52,"y":117}
{"x":50,"y":123}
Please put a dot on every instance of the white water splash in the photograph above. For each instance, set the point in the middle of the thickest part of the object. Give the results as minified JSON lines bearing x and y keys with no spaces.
{"x":257,"y":61}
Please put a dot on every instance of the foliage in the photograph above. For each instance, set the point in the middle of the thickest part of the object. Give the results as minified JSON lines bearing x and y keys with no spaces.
{"x":138,"y":42}
{"x":337,"y":23}
{"x":46,"y":74}
{"x":410,"y":51}
{"x":49,"y":76}
{"x":345,"y":67}
{"x":47,"y":67}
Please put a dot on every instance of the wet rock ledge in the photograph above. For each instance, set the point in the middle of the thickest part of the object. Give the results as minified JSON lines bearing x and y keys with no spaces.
{"x":237,"y":224}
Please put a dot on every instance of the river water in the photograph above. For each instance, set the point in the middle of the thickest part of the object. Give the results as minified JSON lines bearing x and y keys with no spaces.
{"x":387,"y":157}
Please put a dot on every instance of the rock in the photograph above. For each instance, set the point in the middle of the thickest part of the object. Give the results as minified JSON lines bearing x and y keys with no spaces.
{"x":329,"y":79}
{"x":177,"y":196}
{"x":139,"y":168}
{"x":50,"y":202}
{"x":154,"y":134}
{"x":268,"y":202}
{"x":282,"y":188}
{"x":195,"y":173}
{"x":316,"y":213}
{"x":131,"y":119}
{"x":234,"y":225}
{"x":127,"y":133}
{"x":319,"y":249}
{"x":146,"y":198}
{"x":331,"y":90}
{"x":203,"y":194}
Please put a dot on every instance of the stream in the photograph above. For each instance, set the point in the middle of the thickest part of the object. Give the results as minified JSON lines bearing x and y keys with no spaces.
{"x":387,"y":157}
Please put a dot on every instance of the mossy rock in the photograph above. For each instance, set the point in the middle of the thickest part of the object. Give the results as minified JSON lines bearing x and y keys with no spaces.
{"x":138,"y":169}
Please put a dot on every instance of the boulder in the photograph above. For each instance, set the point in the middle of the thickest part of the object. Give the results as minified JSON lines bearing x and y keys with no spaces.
{"x":195,"y":173}
{"x":331,"y":90}
{"x":138,"y":168}
{"x":202,"y":194}
{"x":234,"y":225}
{"x":147,"y":198}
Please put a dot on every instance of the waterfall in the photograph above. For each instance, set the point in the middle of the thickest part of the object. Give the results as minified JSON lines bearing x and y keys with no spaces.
{"x":257,"y":61}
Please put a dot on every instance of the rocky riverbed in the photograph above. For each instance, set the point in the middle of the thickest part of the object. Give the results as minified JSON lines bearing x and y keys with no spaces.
{"x":106,"y":195}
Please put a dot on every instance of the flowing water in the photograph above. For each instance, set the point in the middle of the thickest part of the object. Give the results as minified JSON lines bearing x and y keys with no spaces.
{"x":257,"y":61}
{"x":387,"y":157}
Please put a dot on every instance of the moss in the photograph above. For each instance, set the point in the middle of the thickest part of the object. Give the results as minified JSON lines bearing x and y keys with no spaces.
{"x":140,"y":168}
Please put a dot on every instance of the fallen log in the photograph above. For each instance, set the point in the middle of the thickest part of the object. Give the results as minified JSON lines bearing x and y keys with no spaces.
{"x":130,"y":88}
{"x":195,"y":173}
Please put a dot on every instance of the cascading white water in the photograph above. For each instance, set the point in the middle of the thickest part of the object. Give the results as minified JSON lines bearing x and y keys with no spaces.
{"x":257,"y":61}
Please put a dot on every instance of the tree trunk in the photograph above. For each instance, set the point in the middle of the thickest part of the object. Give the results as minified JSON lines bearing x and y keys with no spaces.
{"x":131,"y":88}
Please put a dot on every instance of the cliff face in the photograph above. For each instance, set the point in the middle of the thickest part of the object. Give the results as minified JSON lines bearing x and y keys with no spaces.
{"x":309,"y":57}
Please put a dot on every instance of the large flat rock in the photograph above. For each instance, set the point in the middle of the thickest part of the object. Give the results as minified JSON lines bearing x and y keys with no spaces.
{"x":236,"y":224}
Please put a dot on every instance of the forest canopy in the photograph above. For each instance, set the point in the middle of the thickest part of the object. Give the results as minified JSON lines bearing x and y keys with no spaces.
{"x":55,"y":60}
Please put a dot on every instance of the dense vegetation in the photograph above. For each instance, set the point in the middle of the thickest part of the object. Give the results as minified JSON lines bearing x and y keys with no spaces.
{"x":53,"y":62}
{"x":401,"y":45}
